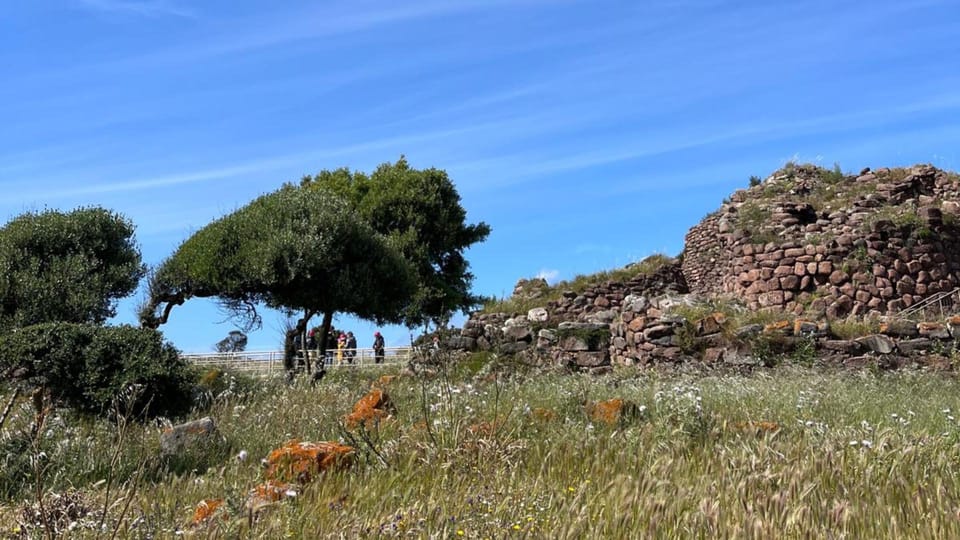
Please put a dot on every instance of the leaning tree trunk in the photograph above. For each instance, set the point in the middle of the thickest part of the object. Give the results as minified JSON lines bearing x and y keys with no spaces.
{"x":325,"y":329}
{"x":289,"y":349}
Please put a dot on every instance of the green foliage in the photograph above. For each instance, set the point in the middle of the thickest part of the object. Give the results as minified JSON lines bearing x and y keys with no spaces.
{"x":755,"y":181}
{"x":833,"y":176}
{"x":236,"y":341}
{"x":753,"y":218}
{"x":420,"y":212}
{"x":294,"y":249}
{"x":853,"y":328}
{"x":93,"y":369}
{"x":72,"y":266}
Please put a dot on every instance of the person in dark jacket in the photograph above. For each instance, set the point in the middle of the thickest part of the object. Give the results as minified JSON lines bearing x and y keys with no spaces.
{"x":378,"y":347}
{"x":351,"y":350}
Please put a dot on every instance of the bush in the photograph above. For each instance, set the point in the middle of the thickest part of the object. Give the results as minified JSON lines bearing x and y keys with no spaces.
{"x":87,"y":368}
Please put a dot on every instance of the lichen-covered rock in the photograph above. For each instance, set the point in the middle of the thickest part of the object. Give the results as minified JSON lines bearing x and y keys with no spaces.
{"x":300,"y":462}
{"x":268,"y":493}
{"x":370,"y":409}
{"x":611,"y":411}
{"x":206,"y":510}
{"x":175,"y":440}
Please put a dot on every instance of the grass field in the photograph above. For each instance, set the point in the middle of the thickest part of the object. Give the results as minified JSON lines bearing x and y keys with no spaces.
{"x":783,"y":453}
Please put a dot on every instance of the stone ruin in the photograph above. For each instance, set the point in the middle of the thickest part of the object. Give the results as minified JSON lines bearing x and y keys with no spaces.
{"x":813,"y":245}
{"x":807,"y":242}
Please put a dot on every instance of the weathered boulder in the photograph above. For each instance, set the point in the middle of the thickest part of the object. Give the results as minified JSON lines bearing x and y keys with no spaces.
{"x":590,"y":359}
{"x":612,"y":411}
{"x":877,"y":343}
{"x":899,"y":328}
{"x":635,"y":303}
{"x":538,"y":314}
{"x":518,"y":333}
{"x":370,"y":409}
{"x":933,"y":330}
{"x":300,"y":462}
{"x":574,"y":343}
{"x":195,"y":435}
{"x":913,"y":346}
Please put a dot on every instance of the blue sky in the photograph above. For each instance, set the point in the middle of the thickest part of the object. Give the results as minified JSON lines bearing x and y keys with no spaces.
{"x":588,"y":134}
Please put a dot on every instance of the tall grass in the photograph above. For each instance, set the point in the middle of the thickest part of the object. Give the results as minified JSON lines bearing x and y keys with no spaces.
{"x":788,"y":452}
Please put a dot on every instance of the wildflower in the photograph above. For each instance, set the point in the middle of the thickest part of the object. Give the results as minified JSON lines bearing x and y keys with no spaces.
{"x":516,"y":526}
{"x":570,"y":489}
{"x":460,"y":532}
{"x":242,"y":456}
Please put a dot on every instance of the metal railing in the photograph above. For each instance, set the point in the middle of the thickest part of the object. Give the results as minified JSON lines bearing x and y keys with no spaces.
{"x":267,"y":362}
{"x":929,"y":302}
{"x":937,"y":301}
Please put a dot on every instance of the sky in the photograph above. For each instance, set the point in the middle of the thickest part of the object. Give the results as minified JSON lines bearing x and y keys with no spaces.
{"x":587,"y":133}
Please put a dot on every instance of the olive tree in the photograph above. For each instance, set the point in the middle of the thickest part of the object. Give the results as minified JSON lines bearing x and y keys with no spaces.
{"x":298,"y":250}
{"x":66,"y":266}
{"x":420,"y":212}
{"x":61,"y":275}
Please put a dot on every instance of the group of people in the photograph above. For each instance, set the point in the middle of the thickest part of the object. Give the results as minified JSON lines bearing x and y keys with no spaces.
{"x":341,"y":347}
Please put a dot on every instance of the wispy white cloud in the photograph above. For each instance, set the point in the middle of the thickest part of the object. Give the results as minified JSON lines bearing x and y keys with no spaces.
{"x":144,"y":8}
{"x":551,"y":276}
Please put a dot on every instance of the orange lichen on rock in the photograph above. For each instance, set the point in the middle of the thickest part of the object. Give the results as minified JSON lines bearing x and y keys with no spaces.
{"x":206,"y":509}
{"x":779,"y":326}
{"x":268,"y":493}
{"x":369,"y":409}
{"x":299,"y":461}
{"x":543,"y":415}
{"x":608,"y":412}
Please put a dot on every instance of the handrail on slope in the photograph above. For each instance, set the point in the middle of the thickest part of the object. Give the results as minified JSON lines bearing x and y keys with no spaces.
{"x":937,"y":299}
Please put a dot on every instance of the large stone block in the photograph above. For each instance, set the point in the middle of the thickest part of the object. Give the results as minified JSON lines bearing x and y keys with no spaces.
{"x":538,"y":314}
{"x":877,"y":343}
{"x":183,"y":438}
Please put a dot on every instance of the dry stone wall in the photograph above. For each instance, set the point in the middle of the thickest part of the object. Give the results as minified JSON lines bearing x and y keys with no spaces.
{"x":782,"y":245}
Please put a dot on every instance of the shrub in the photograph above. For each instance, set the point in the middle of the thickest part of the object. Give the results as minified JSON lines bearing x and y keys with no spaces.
{"x":834,"y":176}
{"x":86,"y":367}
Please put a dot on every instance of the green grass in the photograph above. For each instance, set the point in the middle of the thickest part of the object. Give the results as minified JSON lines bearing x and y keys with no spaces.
{"x":578,"y":285}
{"x":855,"y":455}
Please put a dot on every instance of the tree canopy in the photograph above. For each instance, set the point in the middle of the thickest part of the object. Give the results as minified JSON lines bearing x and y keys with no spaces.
{"x":295,"y":249}
{"x":420,"y":212}
{"x":61,"y":274}
{"x":66,"y":266}
{"x":236,"y":341}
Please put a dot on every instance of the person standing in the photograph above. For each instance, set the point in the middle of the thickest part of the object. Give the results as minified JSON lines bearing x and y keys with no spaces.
{"x":341,"y":345}
{"x":351,"y":347}
{"x":378,"y":347}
